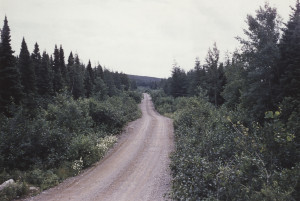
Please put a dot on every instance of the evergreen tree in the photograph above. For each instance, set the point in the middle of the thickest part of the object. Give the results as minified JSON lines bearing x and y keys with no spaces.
{"x":100,"y":88}
{"x":26,"y":69}
{"x":51,"y":71}
{"x":214,"y":78}
{"x":117,"y":80}
{"x":89,"y":80}
{"x":289,"y":64}
{"x":221,"y":83}
{"x":109,"y":82}
{"x":45,"y":85}
{"x":77,"y":87}
{"x":70,"y":62}
{"x":260,"y":53}
{"x":70,"y":71}
{"x":36,"y":64}
{"x":178,"y":82}
{"x":10,"y":84}
{"x":197,"y":78}
{"x":90,"y":71}
{"x":99,"y":71}
{"x":125,"y":82}
{"x":57,"y":78}
{"x":63,"y":68}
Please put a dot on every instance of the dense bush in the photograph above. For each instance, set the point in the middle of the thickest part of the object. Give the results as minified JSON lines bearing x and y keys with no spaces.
{"x":89,"y":149}
{"x":15,"y":190}
{"x":61,"y":138}
{"x":221,"y":155}
{"x":135,"y":95}
{"x":112,"y":114}
{"x":163,"y":104}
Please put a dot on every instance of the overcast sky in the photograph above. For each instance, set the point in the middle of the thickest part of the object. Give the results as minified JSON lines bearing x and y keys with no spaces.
{"x":141,"y":37}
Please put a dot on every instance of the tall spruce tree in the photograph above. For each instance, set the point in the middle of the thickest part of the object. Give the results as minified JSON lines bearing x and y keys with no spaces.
{"x":89,"y":80}
{"x":77,"y":89}
{"x":45,"y":85}
{"x":179,"y":83}
{"x":289,"y":63}
{"x":27,"y":70}
{"x":10,"y":83}
{"x":36,"y":63}
{"x":63,"y":68}
{"x":70,"y":71}
{"x":57,"y":77}
{"x":90,"y":71}
{"x":99,"y":71}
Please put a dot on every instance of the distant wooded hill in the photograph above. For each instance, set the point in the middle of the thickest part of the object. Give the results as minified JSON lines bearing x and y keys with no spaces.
{"x":144,"y":81}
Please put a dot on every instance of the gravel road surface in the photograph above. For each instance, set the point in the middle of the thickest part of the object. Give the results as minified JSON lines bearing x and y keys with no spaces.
{"x":137,"y":168}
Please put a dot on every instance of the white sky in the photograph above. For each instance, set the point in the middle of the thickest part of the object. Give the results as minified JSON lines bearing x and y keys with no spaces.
{"x":140,"y":37}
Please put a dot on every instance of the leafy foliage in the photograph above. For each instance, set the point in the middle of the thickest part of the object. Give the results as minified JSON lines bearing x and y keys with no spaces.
{"x":13,"y":191}
{"x":222,"y":155}
{"x":62,"y":139}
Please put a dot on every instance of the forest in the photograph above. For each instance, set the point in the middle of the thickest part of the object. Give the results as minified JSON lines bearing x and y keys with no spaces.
{"x":56,"y":118}
{"x":236,"y":123}
{"x":237,"y":129}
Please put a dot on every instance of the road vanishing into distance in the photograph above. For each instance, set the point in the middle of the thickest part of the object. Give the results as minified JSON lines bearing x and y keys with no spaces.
{"x":137,"y":168}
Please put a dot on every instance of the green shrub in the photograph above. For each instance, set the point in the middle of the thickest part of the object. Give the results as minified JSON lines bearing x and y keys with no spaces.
{"x":26,"y":142}
{"x":136,"y":96}
{"x":35,"y":177}
{"x":163,"y":104}
{"x":84,"y":147}
{"x":50,"y":180}
{"x":42,"y":179}
{"x":88,"y":150}
{"x":70,"y":115}
{"x":12,"y":191}
{"x":112,"y":114}
{"x":65,"y":170}
{"x":58,"y":139}
{"x":222,"y":155}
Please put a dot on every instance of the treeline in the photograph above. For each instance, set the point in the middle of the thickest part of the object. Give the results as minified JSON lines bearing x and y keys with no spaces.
{"x":258,"y":76}
{"x":56,"y":118}
{"x":237,"y":123}
{"x":29,"y":76}
{"x":144,"y":82}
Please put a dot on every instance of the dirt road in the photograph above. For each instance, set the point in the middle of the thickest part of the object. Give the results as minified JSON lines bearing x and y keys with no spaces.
{"x":136,"y":169}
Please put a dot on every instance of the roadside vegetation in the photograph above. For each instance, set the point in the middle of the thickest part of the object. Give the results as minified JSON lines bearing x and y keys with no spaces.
{"x":237,"y":123}
{"x":223,"y":155}
{"x":56,"y":119}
